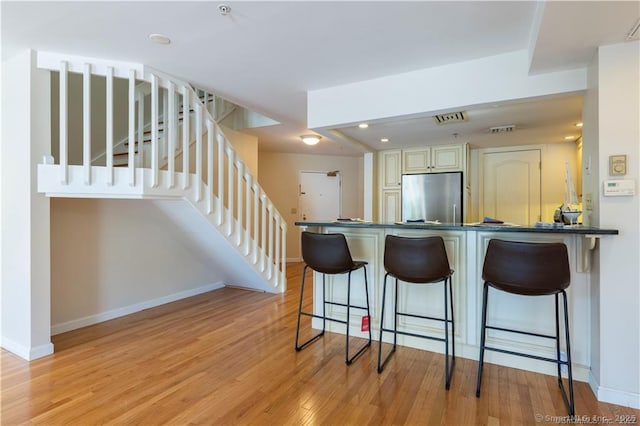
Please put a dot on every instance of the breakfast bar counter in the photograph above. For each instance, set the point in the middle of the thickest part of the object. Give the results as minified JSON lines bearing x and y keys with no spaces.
{"x":466,"y":245}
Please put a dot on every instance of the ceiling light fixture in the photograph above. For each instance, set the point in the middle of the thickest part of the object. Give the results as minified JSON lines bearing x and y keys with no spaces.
{"x":310,"y":139}
{"x":384,"y":140}
{"x":568,"y":138}
{"x":363,"y":125}
{"x":159,"y":38}
{"x":579,"y":124}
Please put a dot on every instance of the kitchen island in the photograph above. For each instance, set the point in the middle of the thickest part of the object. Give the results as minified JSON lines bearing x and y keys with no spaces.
{"x":466,"y":245}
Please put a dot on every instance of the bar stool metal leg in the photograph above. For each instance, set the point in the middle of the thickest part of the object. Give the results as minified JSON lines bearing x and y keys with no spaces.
{"x":483,"y":328}
{"x":393,"y":349}
{"x":448,"y":371}
{"x":570,"y":403}
{"x":348,"y":360}
{"x":299,"y":347}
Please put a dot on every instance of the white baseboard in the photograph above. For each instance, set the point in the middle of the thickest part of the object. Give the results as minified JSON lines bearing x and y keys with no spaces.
{"x":28,"y":353}
{"x":126,"y":310}
{"x":613,"y":396}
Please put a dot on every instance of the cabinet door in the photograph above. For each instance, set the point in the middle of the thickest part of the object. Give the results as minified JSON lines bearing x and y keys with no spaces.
{"x":447,"y":158}
{"x":390,"y":164}
{"x":415,"y":160}
{"x":390,"y":206}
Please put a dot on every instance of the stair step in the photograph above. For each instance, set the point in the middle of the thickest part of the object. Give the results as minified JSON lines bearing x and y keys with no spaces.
{"x":119,"y":154}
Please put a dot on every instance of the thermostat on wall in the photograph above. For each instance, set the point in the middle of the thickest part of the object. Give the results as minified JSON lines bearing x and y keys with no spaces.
{"x":613,"y":188}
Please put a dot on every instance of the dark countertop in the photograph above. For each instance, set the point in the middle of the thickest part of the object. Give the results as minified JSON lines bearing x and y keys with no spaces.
{"x":575,"y":229}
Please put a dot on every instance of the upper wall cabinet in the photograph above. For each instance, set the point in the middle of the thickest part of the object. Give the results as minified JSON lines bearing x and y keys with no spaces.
{"x":432,"y":159}
{"x":391,"y":168}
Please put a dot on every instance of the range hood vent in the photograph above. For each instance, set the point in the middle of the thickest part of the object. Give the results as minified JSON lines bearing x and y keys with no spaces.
{"x":451,"y":117}
{"x":503,"y":129}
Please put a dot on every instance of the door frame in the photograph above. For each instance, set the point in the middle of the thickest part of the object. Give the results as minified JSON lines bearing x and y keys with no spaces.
{"x":480,"y":175}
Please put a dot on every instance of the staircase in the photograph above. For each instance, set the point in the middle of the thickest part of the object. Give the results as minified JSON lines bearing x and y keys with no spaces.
{"x":178,"y":153}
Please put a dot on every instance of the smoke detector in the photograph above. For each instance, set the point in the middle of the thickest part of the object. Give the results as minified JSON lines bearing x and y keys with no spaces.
{"x":503,"y":129}
{"x":224,"y":9}
{"x":451,"y":117}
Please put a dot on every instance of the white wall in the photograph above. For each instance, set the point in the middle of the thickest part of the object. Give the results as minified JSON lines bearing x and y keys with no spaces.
{"x":279,"y":177}
{"x":113,"y":255}
{"x":25,"y":280}
{"x":444,"y":88}
{"x":618,"y":87}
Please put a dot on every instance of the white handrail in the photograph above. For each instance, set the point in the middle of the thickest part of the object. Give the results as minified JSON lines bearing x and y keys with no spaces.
{"x":239,"y":206}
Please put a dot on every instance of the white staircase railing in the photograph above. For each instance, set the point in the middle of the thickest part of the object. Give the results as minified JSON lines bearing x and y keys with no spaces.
{"x":208,"y":173}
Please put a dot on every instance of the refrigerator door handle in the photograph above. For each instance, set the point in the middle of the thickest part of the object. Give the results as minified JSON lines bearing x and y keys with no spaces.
{"x":454,"y":215}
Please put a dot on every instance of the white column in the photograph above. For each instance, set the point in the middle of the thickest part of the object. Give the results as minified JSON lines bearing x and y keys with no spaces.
{"x":615,"y":278}
{"x":24,"y":216}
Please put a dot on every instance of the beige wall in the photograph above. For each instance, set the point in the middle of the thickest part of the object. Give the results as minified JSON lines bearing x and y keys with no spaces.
{"x":279,"y":177}
{"x":554,"y":157}
{"x":110,"y":254}
{"x":246,"y":146}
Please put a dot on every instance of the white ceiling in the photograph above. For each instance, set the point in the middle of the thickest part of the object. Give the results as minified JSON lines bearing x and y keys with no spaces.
{"x":266,"y":55}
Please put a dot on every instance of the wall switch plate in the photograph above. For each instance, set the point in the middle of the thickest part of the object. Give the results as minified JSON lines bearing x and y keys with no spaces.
{"x":588,"y":201}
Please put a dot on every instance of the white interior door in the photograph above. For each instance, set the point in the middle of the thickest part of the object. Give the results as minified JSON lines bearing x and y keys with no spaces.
{"x":320,"y":195}
{"x":511,"y":186}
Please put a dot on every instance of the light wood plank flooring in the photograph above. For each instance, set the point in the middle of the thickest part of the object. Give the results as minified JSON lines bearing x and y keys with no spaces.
{"x":227,"y":357}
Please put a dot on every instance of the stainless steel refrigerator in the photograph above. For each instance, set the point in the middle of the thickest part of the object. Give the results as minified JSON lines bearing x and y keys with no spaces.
{"x":432,"y":196}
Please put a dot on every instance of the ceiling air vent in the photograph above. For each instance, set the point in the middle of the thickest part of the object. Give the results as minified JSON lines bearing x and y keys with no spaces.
{"x":451,"y":117}
{"x":503,"y":129}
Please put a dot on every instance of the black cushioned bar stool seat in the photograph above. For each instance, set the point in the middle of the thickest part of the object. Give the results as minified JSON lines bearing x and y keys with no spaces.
{"x":529,"y":269}
{"x":329,"y":254}
{"x":418,"y":261}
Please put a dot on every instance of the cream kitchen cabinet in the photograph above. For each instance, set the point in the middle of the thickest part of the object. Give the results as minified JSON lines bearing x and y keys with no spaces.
{"x":390,"y":172}
{"x":391,"y":169}
{"x":392,"y":164}
{"x":433,"y":159}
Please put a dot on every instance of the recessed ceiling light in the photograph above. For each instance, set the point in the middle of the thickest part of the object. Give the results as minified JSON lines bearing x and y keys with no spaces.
{"x":363,"y":125}
{"x":384,"y":140}
{"x":579,"y":124}
{"x":568,"y":138}
{"x":310,"y":139}
{"x":159,"y":38}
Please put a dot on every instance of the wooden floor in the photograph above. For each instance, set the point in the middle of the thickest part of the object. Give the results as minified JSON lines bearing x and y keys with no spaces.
{"x":227,"y":357}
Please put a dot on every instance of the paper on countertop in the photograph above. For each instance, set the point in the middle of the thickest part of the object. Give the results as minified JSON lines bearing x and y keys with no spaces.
{"x":419,"y":222}
{"x":350,"y":220}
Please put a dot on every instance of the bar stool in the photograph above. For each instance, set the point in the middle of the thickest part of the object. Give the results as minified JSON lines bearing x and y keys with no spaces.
{"x":528,"y":269}
{"x":329,"y":254}
{"x":418,"y":261}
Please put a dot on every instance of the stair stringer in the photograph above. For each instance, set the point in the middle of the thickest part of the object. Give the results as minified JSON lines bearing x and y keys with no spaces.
{"x":204,"y":235}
